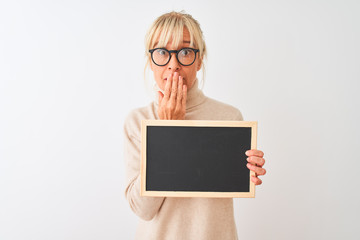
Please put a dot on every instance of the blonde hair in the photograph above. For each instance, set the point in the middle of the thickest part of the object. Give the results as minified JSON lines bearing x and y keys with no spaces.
{"x":170,"y":26}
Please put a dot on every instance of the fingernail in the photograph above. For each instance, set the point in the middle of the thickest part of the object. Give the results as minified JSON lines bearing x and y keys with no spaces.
{"x":247,"y":152}
{"x":247,"y":159}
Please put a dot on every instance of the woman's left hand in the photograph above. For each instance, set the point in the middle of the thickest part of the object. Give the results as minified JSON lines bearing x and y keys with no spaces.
{"x":255,"y":163}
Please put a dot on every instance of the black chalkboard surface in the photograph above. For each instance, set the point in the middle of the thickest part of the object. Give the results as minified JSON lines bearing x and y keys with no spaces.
{"x":196,"y":158}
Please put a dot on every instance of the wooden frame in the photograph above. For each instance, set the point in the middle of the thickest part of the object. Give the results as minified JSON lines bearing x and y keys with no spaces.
{"x":198,"y":123}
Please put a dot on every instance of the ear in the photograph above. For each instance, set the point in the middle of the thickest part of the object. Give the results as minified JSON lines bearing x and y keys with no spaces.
{"x":199,"y":64}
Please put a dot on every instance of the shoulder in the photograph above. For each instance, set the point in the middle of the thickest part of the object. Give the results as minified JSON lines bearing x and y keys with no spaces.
{"x":132,"y":122}
{"x":224,"y":110}
{"x":136,"y":113}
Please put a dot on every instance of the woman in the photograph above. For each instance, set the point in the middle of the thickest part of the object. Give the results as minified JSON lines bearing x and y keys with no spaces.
{"x":175,"y":51}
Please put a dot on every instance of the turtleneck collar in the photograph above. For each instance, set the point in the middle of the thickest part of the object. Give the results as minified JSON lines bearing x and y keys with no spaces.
{"x":194,"y":96}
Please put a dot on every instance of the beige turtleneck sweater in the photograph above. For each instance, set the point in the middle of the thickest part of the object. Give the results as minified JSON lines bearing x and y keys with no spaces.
{"x":172,"y":218}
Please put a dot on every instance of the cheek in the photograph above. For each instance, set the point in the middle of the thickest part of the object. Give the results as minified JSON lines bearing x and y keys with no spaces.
{"x":155,"y":69}
{"x":157,"y":72}
{"x":192,"y":73}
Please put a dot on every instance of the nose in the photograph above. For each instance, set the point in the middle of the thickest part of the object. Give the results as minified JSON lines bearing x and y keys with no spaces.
{"x":173,"y":63}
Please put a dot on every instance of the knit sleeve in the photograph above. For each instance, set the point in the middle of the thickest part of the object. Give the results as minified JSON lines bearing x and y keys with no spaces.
{"x":144,"y":207}
{"x":239,"y":116}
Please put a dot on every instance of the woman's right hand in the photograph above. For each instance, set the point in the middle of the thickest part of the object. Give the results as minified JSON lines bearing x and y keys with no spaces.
{"x":172,"y":105}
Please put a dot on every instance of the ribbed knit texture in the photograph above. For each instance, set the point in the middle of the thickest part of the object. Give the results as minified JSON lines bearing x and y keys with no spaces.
{"x":172,"y":218}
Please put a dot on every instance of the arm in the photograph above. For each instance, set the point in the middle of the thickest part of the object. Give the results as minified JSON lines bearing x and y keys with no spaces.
{"x":144,"y":207}
{"x":172,"y":105}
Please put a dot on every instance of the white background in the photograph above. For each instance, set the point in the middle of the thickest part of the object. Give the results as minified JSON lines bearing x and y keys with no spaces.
{"x":70,"y":71}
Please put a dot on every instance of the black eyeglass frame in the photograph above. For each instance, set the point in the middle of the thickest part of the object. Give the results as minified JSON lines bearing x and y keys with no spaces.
{"x":173,"y":51}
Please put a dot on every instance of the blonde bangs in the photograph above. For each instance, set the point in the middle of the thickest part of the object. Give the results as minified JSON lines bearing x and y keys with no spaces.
{"x":170,"y":27}
{"x":168,"y":30}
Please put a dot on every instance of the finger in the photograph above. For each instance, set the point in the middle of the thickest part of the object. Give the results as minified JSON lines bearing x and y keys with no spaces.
{"x":184,"y":96}
{"x":256,"y":180}
{"x":168,"y":87}
{"x":254,"y":152}
{"x":179,"y":92}
{"x":160,"y":97}
{"x":257,"y":170}
{"x":174,"y":87}
{"x":257,"y":161}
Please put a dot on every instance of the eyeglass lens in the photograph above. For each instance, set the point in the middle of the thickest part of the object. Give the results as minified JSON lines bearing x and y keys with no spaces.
{"x":185,"y":56}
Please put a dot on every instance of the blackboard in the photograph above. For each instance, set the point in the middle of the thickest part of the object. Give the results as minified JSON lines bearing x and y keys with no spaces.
{"x":196,"y":158}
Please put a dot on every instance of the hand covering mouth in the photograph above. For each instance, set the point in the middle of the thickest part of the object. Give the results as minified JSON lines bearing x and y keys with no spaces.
{"x":166,"y":79}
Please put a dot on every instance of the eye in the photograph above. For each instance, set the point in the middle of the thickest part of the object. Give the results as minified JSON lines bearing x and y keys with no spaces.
{"x":188,"y":53}
{"x":161,"y":52}
{"x":185,"y":52}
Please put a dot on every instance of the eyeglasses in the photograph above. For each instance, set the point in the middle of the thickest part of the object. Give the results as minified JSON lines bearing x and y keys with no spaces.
{"x":162,"y":56}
